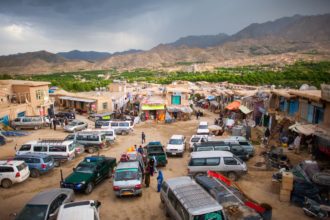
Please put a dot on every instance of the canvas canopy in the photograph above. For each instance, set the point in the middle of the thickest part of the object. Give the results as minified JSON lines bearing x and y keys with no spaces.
{"x":77,"y":99}
{"x":234,"y":105}
{"x":184,"y":109}
{"x":307,"y":129}
{"x":244,"y":109}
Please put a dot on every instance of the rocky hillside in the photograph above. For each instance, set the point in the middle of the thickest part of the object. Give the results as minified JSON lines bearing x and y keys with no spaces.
{"x":284,"y":40}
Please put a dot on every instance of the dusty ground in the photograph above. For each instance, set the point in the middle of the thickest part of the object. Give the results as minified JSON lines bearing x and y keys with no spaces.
{"x":257,"y":184}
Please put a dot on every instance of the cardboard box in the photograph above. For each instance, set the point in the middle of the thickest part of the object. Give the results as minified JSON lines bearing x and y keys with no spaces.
{"x":285,"y":195}
{"x":287,"y":181}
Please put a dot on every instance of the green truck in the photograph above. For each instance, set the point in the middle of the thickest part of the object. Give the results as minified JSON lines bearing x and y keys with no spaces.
{"x":91,"y":171}
{"x":156,"y":149}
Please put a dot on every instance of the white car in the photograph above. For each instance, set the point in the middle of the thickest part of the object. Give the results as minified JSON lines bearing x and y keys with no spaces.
{"x":110,"y":134}
{"x":196,"y":139}
{"x":13,"y":171}
{"x":203,"y":128}
{"x":176,"y":145}
{"x":82,"y":210}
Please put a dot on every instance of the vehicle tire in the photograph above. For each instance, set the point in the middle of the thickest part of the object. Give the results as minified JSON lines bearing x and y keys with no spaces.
{"x":6,"y":183}
{"x":232,"y":176}
{"x":140,"y":195}
{"x":91,"y":150}
{"x":122,"y":133}
{"x":89,"y":188}
{"x":34,"y":173}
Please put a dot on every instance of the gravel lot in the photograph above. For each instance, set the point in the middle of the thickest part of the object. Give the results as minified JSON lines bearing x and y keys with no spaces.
{"x":256,"y":184}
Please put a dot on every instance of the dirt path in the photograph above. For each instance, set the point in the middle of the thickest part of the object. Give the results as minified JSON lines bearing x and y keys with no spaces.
{"x":256,"y":184}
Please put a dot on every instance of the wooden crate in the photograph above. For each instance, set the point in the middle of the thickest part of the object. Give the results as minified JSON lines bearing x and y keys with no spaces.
{"x":287,"y":181}
{"x":285,"y":195}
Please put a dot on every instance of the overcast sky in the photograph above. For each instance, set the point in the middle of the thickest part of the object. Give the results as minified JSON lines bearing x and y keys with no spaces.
{"x":118,"y":25}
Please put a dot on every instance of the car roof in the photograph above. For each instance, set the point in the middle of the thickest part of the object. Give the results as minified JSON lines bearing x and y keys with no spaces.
{"x":203,"y":123}
{"x":33,"y":154}
{"x":127,"y":165}
{"x":11,"y":162}
{"x":177,"y":136}
{"x":46,"y":197}
{"x":77,"y":210}
{"x":195,"y":199}
{"x":154,"y":143}
{"x":60,"y":142}
{"x":202,"y":154}
{"x":31,"y":142}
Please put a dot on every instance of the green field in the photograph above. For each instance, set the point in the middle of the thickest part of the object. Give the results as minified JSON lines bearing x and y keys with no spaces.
{"x":288,"y":76}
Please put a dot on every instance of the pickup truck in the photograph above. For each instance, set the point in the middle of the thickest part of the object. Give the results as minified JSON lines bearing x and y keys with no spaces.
{"x":89,"y":172}
{"x":156,"y":149}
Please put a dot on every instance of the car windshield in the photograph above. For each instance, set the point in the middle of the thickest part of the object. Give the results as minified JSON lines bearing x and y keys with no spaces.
{"x":210,"y":216}
{"x":237,"y":158}
{"x":48,"y":159}
{"x":34,"y":212}
{"x":73,"y":123}
{"x":126,"y":174}
{"x":202,"y":127}
{"x":205,"y":149}
{"x":85,"y":168}
{"x":69,"y":137}
{"x":155,"y":149}
{"x":175,"y":141}
{"x":195,"y":139}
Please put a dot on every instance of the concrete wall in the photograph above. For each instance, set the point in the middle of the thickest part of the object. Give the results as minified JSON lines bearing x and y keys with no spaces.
{"x":184,"y":98}
{"x":117,"y":87}
{"x":13,"y":110}
{"x":326,"y":120}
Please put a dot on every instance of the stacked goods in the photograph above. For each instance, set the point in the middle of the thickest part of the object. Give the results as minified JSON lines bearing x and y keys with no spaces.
{"x":287,"y":186}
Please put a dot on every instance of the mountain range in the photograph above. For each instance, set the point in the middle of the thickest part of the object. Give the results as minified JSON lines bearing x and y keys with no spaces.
{"x":280,"y":41}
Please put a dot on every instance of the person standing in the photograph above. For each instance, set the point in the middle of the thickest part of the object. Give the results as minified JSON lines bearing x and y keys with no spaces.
{"x":160,"y":180}
{"x":151,"y":166}
{"x":147,"y":176}
{"x":197,"y":115}
{"x":296,"y":143}
{"x":143,"y":136}
{"x":155,"y":163}
{"x":140,"y":150}
{"x":51,"y":123}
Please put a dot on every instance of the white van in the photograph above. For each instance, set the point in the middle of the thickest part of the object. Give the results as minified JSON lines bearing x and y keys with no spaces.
{"x":109,"y":133}
{"x":176,"y":145}
{"x":60,"y":150}
{"x":120,"y":127}
{"x":203,"y":128}
{"x":219,"y":161}
{"x":196,"y":139}
{"x":184,"y":199}
{"x":13,"y":171}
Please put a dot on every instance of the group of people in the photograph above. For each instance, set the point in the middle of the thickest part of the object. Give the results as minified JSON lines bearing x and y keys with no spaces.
{"x":53,"y":122}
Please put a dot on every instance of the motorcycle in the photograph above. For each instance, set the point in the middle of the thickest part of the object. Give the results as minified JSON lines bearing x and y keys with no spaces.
{"x":314,"y":209}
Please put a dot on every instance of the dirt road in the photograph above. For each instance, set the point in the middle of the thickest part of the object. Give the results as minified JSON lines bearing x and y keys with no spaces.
{"x":256,"y":184}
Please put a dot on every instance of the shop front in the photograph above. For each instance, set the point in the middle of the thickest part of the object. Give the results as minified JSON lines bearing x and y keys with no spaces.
{"x":153,"y":111}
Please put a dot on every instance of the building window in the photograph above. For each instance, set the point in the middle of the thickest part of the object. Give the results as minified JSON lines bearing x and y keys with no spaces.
{"x":105,"y":105}
{"x":39,"y":94}
{"x":176,"y":100}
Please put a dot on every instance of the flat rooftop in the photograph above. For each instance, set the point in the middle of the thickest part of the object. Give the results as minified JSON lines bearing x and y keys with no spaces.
{"x":23,"y":83}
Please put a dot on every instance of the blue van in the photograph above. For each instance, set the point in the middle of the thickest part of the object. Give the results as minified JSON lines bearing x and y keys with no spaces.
{"x":38,"y":163}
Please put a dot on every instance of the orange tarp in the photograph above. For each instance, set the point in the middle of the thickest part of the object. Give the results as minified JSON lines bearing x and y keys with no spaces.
{"x":234,"y":105}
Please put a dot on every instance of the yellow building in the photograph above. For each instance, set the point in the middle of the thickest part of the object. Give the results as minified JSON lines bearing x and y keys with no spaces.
{"x":19,"y":98}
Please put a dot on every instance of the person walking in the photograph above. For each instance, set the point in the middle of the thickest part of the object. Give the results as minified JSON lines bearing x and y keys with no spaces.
{"x":197,"y":115}
{"x":147,"y":176}
{"x":152,"y":166}
{"x":51,"y":123}
{"x":143,"y":136}
{"x":296,"y":143}
{"x":54,"y":123}
{"x":160,"y":180}
{"x":140,"y":150}
{"x":155,"y":163}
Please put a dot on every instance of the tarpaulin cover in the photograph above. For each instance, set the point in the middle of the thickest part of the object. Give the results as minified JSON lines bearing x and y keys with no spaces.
{"x":214,"y":103}
{"x":234,"y":105}
{"x":307,"y":129}
{"x":244,"y":109}
{"x":184,"y":109}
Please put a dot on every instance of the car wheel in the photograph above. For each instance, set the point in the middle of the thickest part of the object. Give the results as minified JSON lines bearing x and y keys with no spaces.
{"x":34,"y":173}
{"x":140,"y":194}
{"x":232,"y":176}
{"x":91,"y":150}
{"x":6,"y":183}
{"x":89,"y":188}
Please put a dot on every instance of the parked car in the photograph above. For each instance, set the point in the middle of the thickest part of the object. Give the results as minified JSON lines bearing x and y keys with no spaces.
{"x":79,"y":148}
{"x":195,"y":139}
{"x":128,"y":179}
{"x":12,"y":172}
{"x":183,"y":198}
{"x":91,"y":171}
{"x":219,"y":161}
{"x":60,"y":150}
{"x":176,"y":145}
{"x":92,"y":141}
{"x":120,"y":127}
{"x":38,"y":163}
{"x":110,"y":134}
{"x":75,"y":125}
{"x":156,"y":149}
{"x":246,"y":144}
{"x":227,"y":197}
{"x":239,"y":151}
{"x":203,"y":128}
{"x":82,"y":210}
{"x":36,"y":122}
{"x":2,"y":140}
{"x":45,"y":205}
{"x":68,"y":115}
{"x":102,"y":123}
